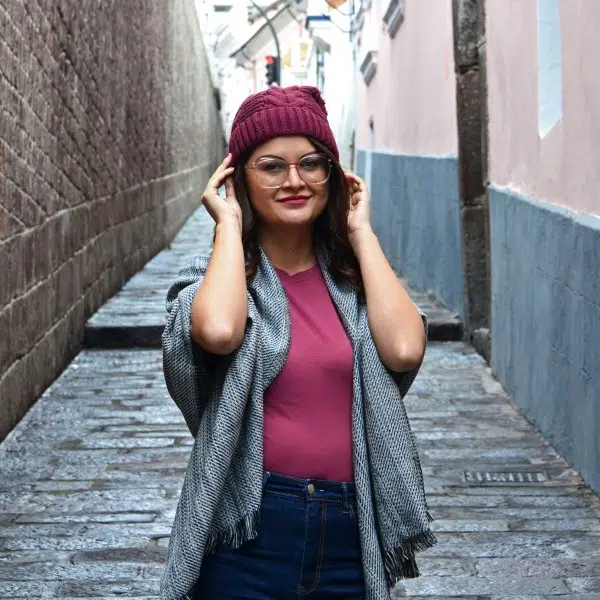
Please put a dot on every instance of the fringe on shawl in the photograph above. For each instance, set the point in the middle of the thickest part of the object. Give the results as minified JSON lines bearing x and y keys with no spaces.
{"x":234,"y":536}
{"x":400,"y":562}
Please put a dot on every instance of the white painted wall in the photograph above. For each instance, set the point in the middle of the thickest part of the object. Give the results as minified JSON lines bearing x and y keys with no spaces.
{"x":339,"y":86}
{"x":412,"y":96}
{"x":223,"y":33}
{"x":226,"y":32}
{"x":562,"y":165}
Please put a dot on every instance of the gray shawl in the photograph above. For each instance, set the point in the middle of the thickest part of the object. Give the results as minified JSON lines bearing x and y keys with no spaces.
{"x":221,"y":399}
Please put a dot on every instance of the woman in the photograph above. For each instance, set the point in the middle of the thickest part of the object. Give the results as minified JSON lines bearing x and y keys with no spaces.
{"x":288,"y":351}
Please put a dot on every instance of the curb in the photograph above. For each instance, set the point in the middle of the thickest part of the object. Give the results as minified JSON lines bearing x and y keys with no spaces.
{"x":149,"y":336}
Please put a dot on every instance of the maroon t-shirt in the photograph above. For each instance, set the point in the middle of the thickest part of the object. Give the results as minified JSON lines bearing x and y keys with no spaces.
{"x":308,"y":407}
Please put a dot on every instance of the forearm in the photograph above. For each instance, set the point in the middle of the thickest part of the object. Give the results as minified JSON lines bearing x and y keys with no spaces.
{"x":394,"y":320}
{"x":220,"y":307}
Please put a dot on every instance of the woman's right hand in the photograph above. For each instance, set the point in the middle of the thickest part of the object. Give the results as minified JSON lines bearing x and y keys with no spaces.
{"x":222,"y":209}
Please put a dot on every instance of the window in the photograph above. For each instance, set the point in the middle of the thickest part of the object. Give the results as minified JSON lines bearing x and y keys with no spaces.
{"x":393,"y":16}
{"x":368,"y":67}
{"x":222,"y":9}
{"x":549,"y":44}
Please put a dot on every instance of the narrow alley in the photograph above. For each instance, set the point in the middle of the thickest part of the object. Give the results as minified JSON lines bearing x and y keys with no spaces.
{"x":451,"y":143}
{"x":90,"y":478}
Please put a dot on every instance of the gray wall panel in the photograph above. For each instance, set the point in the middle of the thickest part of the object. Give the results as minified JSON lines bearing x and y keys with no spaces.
{"x":359,"y":162}
{"x":416,"y":214}
{"x":546,"y":321}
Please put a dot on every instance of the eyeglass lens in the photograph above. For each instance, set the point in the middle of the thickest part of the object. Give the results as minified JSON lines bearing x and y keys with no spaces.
{"x":273,"y":172}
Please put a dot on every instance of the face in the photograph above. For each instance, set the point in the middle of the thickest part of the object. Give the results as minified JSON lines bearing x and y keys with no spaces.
{"x":301,"y":196}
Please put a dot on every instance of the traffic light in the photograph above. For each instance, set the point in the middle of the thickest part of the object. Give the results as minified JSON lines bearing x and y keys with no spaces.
{"x":272,"y":69}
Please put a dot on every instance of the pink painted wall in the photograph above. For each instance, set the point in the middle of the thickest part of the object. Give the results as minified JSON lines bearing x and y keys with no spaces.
{"x":412,"y":96}
{"x":564,"y":166}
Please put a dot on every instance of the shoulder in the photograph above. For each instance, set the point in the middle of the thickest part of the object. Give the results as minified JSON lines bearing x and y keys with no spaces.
{"x":191,"y":273}
{"x":194,"y":266}
{"x":200,"y":261}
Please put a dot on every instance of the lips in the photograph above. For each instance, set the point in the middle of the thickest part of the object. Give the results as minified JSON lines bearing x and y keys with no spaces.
{"x":295,"y":200}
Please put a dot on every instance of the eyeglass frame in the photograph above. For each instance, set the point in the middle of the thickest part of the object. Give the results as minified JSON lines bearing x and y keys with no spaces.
{"x":295,"y":165}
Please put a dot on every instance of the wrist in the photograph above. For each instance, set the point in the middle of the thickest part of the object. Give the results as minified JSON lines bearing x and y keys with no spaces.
{"x":361,"y":237}
{"x":229,"y":224}
{"x":364,"y":244}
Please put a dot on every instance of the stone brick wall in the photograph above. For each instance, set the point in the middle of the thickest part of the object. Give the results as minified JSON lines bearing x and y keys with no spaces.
{"x":108,"y":131}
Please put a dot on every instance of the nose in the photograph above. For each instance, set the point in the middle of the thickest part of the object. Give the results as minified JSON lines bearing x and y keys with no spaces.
{"x":293,"y":179}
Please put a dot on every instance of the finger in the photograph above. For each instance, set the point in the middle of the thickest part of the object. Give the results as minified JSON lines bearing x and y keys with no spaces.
{"x":227,"y":173}
{"x":221,"y":173}
{"x":229,"y":190}
{"x":217,"y":179}
{"x":224,"y":165}
{"x":356,"y":183}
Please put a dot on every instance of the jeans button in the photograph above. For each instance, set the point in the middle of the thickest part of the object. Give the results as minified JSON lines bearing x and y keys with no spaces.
{"x":310,"y":489}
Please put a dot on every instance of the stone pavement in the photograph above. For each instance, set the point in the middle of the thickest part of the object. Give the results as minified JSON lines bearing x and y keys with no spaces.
{"x":135,"y":316}
{"x":89,"y":482}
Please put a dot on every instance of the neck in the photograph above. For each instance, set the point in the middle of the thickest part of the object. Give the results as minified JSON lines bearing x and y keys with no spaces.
{"x":288,"y":249}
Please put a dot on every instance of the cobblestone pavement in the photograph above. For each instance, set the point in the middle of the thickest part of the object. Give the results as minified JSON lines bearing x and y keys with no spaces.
{"x":89,"y":482}
{"x":136,"y":315}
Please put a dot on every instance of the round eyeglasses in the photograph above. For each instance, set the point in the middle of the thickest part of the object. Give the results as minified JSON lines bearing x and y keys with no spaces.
{"x":271,"y":172}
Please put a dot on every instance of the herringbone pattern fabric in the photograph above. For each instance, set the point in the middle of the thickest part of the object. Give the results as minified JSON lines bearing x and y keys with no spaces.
{"x":222,"y":402}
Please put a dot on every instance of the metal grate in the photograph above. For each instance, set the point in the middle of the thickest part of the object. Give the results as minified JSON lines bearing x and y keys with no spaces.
{"x":505,"y":477}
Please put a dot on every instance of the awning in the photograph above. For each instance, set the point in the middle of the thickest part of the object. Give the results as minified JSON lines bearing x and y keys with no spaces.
{"x":251,"y":47}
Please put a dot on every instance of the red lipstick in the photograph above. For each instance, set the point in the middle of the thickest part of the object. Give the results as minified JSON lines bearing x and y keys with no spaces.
{"x":295,"y":200}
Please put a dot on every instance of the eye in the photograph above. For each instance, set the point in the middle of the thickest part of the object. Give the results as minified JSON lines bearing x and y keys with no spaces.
{"x":311,"y":163}
{"x":271,"y":166}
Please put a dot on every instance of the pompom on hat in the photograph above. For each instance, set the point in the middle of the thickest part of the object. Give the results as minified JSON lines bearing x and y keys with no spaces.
{"x":277,"y":111}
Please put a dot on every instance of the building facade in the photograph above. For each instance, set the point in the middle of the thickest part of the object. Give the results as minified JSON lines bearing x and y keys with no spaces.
{"x":406,"y":138}
{"x":544,"y":169}
{"x":539,"y":157}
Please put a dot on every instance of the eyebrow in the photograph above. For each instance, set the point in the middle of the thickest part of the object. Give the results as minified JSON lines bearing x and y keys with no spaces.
{"x":281,"y":158}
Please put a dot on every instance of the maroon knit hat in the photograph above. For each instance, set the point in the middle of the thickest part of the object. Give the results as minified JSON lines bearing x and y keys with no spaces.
{"x":277,"y":111}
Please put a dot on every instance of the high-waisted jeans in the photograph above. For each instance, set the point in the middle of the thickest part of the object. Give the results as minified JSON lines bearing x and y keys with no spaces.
{"x":308,"y":547}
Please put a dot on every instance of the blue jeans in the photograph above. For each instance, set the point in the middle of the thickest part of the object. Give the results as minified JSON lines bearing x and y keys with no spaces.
{"x":308,"y":547}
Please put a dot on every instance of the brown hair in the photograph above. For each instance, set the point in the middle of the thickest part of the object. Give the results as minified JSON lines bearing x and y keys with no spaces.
{"x":330,"y":229}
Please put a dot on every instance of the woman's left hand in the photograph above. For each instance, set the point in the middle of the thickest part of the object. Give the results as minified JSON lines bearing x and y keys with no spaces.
{"x":359,"y":217}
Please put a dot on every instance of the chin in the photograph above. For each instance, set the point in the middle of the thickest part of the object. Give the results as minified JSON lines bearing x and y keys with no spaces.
{"x":295,"y":216}
{"x":295,"y":222}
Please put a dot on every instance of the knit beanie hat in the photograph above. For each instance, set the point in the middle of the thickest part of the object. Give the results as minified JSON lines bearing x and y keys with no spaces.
{"x":277,"y":111}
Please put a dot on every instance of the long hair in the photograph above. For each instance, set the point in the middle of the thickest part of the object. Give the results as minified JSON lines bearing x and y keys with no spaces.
{"x":330,"y":230}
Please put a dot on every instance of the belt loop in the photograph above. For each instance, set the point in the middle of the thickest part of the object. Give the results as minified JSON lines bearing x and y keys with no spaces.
{"x":345,"y":490}
{"x":266,"y":476}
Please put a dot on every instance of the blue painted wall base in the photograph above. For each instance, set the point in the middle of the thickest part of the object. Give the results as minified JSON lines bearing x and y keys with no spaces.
{"x":416,"y":215}
{"x":546,"y":321}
